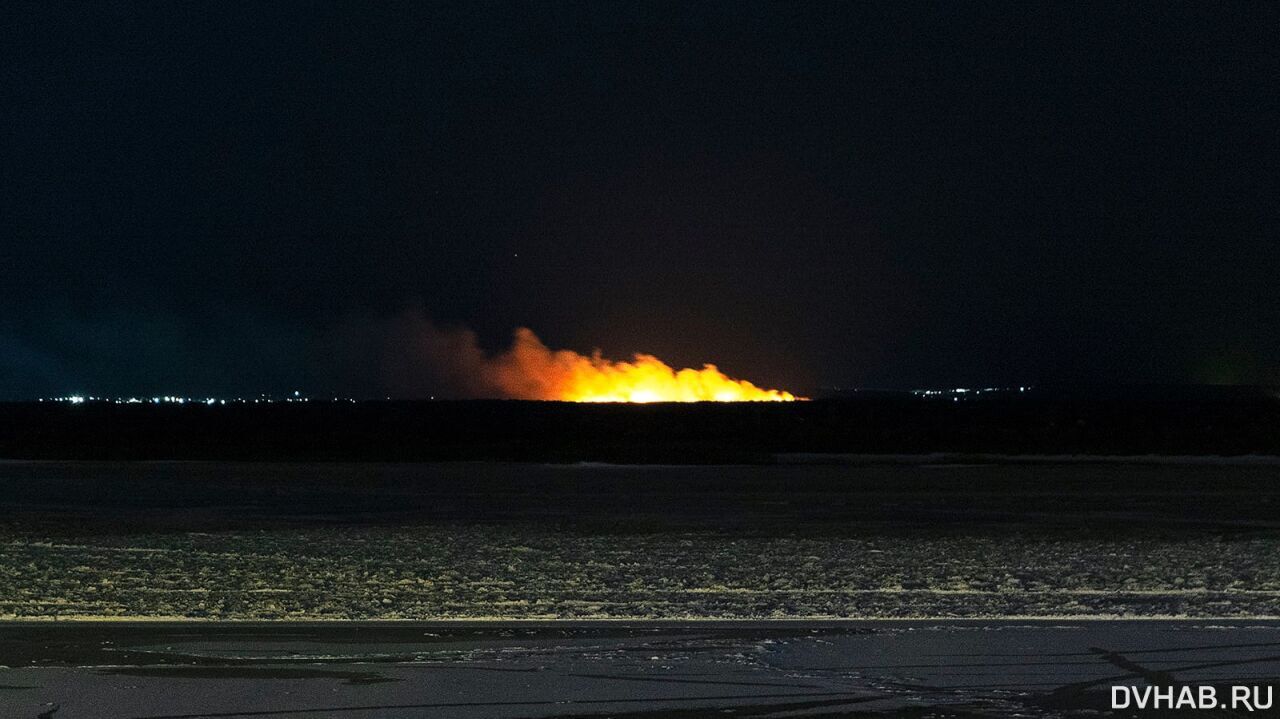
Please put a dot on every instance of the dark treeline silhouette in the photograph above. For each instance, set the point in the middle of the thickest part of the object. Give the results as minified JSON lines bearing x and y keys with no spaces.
{"x":1167,"y":421}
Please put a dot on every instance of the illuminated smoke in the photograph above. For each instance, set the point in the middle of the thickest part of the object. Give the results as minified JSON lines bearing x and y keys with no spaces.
{"x":413,"y":357}
{"x":531,"y":370}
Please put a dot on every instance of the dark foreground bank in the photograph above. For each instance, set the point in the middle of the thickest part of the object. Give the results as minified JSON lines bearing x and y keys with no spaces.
{"x":220,"y":540}
{"x":1149,"y":420}
{"x":958,"y":670}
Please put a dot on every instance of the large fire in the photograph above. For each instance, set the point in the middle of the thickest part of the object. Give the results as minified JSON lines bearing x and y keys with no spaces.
{"x":531,"y":370}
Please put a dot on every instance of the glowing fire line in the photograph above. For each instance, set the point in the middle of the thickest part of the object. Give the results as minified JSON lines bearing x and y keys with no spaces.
{"x":531,"y":370}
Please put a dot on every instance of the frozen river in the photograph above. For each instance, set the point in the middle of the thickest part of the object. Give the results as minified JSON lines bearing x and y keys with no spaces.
{"x":691,"y":669}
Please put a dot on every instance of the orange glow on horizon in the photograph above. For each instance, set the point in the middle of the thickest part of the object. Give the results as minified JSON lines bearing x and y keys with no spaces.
{"x":531,"y":370}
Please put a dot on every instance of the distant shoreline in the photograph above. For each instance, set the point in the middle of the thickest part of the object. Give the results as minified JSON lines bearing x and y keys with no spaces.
{"x":927,"y":459}
{"x":1035,"y":426}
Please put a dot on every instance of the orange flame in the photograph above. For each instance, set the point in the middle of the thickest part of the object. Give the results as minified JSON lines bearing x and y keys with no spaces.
{"x":530,"y":370}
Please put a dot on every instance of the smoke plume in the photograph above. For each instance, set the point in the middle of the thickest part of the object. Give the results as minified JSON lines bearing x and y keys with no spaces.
{"x":418,"y":358}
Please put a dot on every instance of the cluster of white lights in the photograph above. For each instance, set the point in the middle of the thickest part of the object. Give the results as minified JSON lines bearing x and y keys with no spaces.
{"x":957,"y":393}
{"x":175,"y":399}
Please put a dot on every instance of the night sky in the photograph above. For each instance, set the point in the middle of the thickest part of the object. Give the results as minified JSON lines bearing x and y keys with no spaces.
{"x":203,"y":200}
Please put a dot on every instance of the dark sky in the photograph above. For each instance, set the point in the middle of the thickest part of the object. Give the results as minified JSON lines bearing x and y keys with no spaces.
{"x":197,"y":199}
